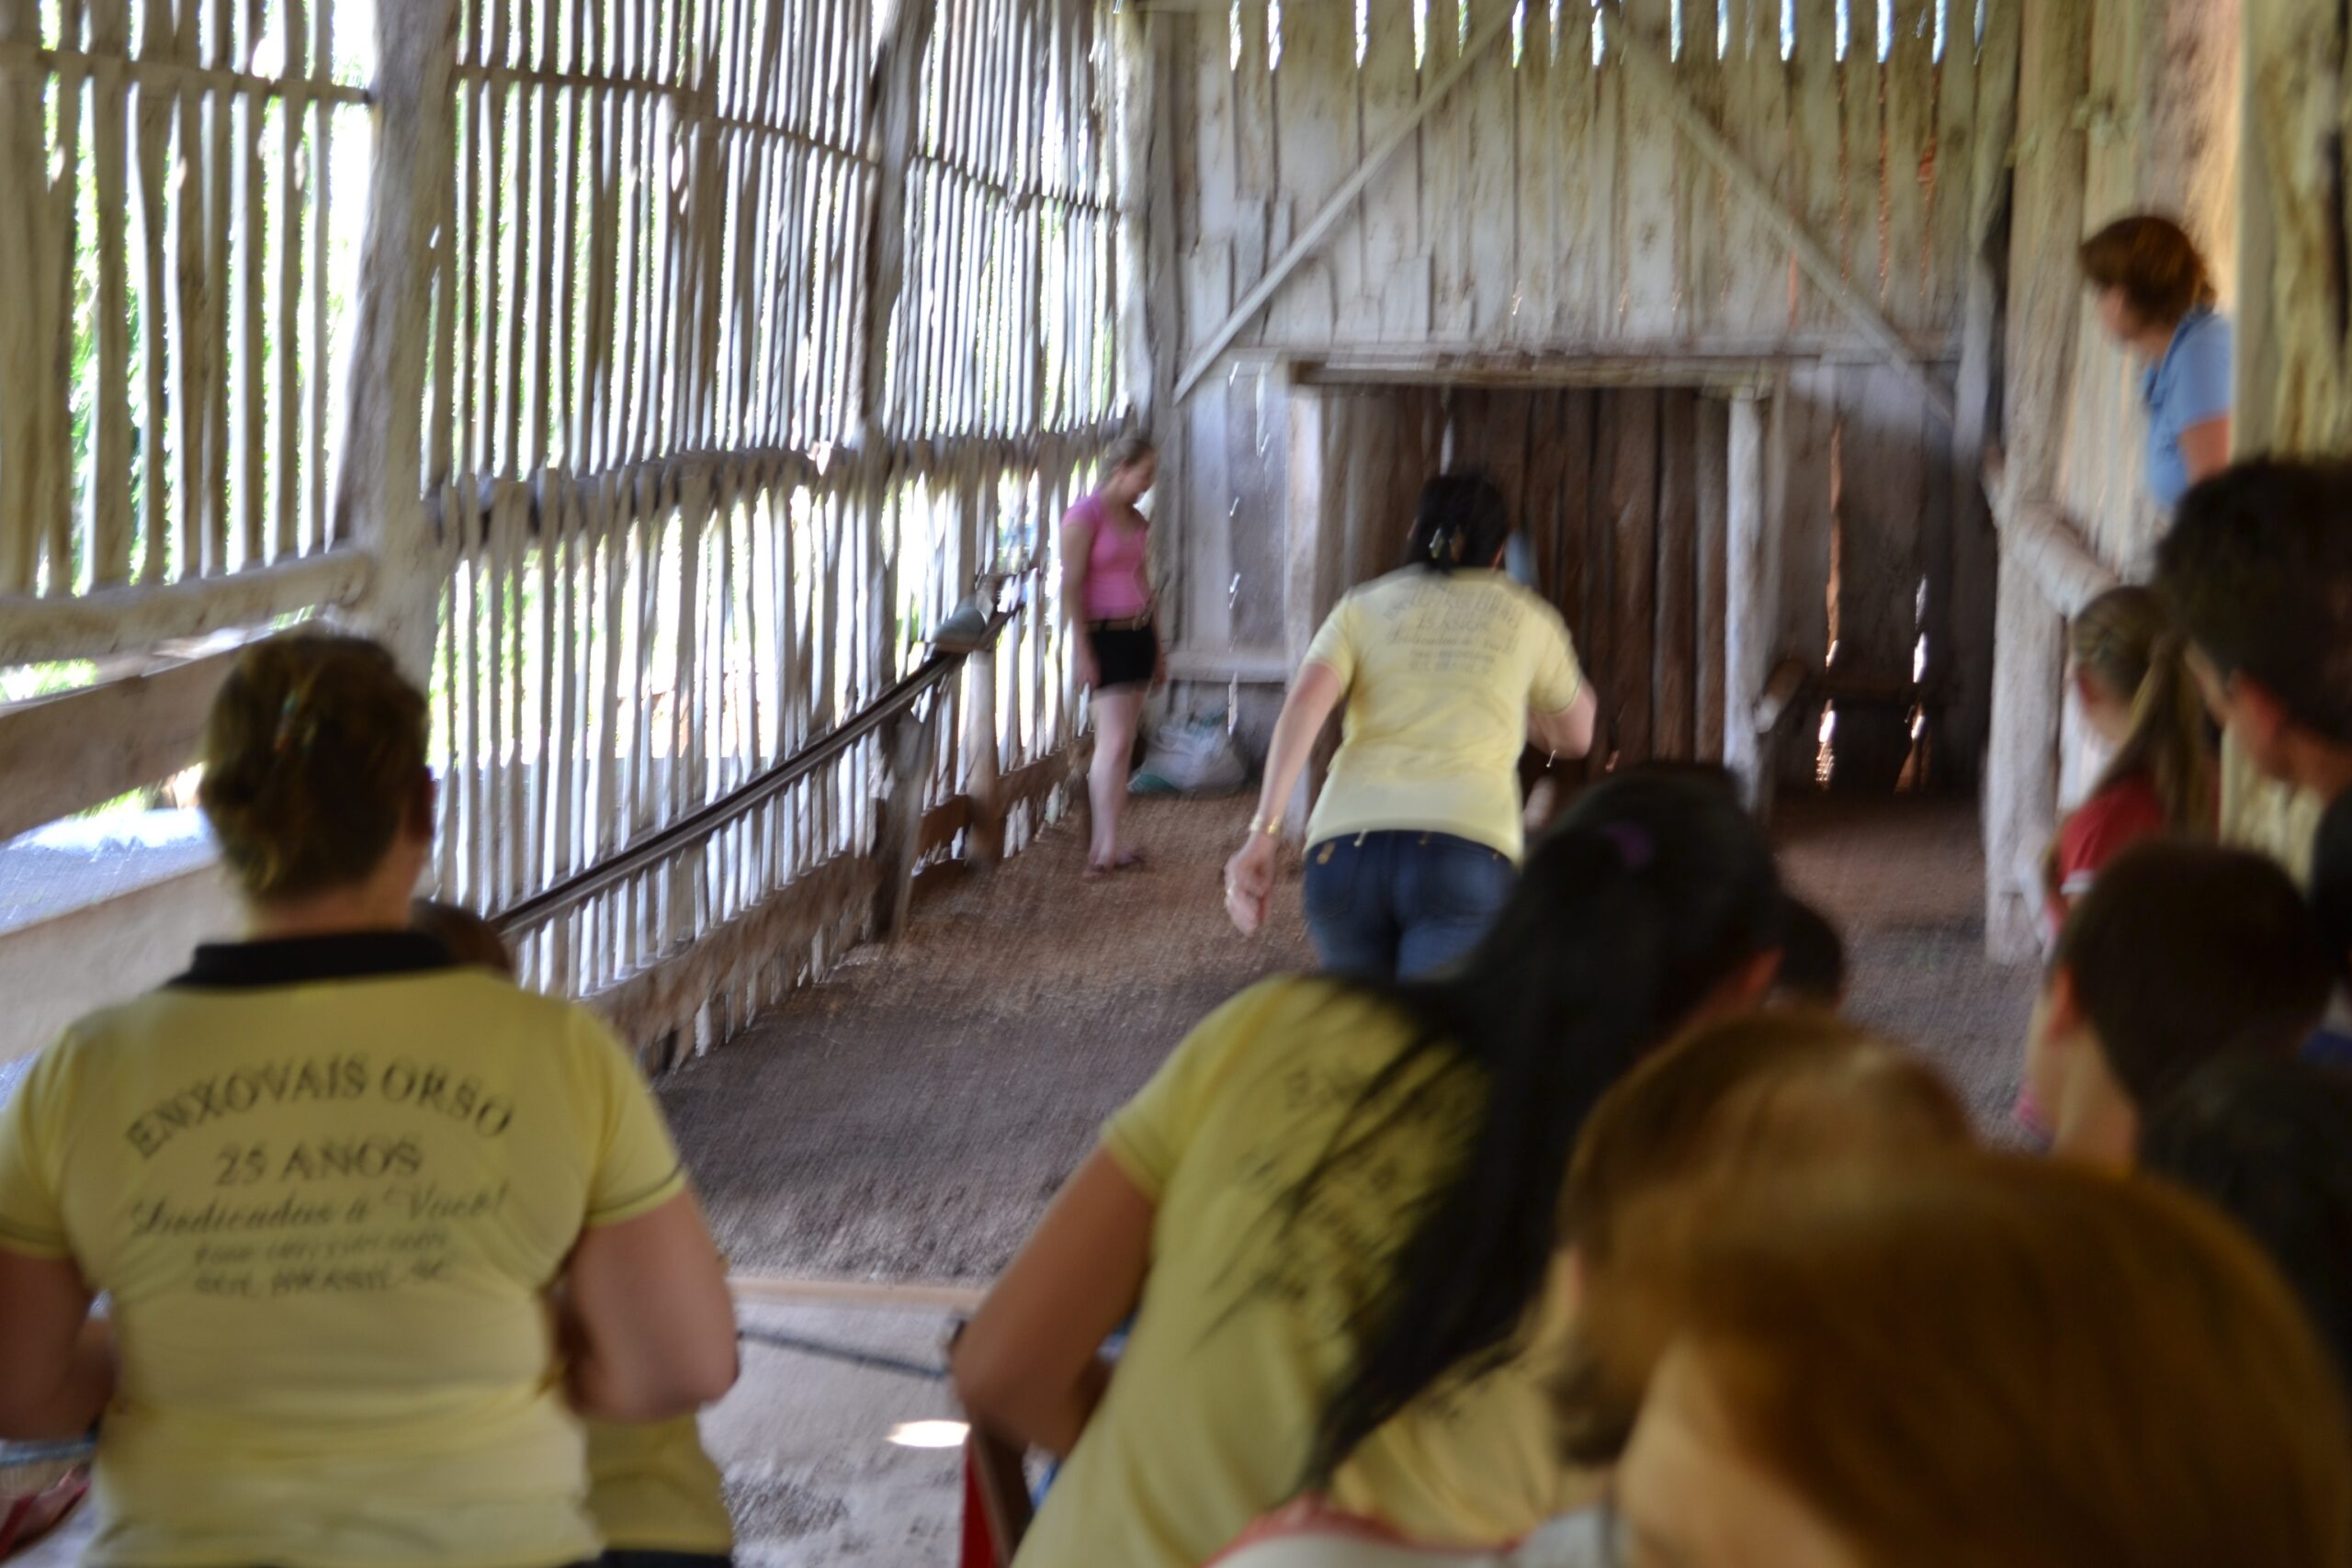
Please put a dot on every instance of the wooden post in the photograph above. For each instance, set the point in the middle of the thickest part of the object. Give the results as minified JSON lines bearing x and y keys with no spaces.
{"x":1712,"y":651}
{"x":906,"y":752}
{"x":24,"y":337}
{"x":380,"y":498}
{"x":983,"y":792}
{"x":1314,"y":541}
{"x":2021,"y":771}
{"x":2294,"y":390}
{"x":893,"y":106}
{"x":1751,"y":597}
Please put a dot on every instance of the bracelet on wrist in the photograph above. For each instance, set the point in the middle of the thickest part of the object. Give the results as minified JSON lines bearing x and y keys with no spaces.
{"x":1273,"y":829}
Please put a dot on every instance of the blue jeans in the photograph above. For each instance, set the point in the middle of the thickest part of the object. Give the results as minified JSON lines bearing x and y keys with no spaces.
{"x":1395,"y":905}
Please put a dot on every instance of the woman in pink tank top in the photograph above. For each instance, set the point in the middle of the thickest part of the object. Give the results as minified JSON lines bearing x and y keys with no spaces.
{"x":1106,"y":591}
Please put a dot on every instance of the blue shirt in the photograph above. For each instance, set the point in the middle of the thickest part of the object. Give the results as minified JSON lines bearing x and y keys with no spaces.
{"x":2188,"y":386}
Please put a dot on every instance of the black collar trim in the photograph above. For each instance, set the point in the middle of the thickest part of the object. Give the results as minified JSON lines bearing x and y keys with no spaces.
{"x":294,"y":961}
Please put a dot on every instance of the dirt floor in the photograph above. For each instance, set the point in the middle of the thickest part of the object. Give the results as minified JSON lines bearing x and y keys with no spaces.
{"x":909,"y":1118}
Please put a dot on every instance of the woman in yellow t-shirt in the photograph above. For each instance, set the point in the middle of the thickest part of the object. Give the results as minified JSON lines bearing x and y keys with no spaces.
{"x":1335,"y":1212}
{"x":327,"y":1178}
{"x":1447,"y":667}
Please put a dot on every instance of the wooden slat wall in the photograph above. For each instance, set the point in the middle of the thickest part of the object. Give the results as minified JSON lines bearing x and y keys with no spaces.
{"x":1545,"y":205}
{"x":174,"y":241}
{"x":1546,"y":209}
{"x":680,"y":542}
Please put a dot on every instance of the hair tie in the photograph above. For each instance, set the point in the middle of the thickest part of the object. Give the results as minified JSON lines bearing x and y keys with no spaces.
{"x":1634,"y":847}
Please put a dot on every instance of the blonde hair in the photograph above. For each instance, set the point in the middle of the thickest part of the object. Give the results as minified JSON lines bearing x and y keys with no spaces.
{"x":314,"y":754}
{"x":1996,"y":1362}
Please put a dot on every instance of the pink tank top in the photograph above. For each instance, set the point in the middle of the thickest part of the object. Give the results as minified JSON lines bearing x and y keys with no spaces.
{"x":1115,"y":586}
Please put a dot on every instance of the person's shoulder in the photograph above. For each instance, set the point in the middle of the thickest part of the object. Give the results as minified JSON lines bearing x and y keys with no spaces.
{"x":1085,"y":509}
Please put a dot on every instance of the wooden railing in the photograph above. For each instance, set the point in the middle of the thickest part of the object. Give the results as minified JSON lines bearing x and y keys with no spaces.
{"x":684,"y":935}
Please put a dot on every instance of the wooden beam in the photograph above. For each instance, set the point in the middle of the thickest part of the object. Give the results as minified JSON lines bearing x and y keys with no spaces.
{"x":1310,"y":239}
{"x":785,"y":1290}
{"x":80,"y":749}
{"x":1751,"y":597}
{"x":893,"y":110}
{"x":39,"y":629}
{"x":2043,"y":542}
{"x":1811,"y":256}
{"x":379,"y":493}
{"x":2044,"y":307}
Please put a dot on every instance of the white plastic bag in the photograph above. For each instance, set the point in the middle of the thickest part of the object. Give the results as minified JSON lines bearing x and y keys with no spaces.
{"x":1192,"y":756}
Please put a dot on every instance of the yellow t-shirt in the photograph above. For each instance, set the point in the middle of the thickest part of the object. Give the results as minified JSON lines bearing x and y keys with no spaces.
{"x":327,"y":1184}
{"x":653,"y":1488}
{"x":1441,"y":672}
{"x":1241,"y":1332}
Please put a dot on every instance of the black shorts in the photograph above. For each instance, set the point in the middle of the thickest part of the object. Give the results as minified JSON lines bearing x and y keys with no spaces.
{"x":1123,"y":655}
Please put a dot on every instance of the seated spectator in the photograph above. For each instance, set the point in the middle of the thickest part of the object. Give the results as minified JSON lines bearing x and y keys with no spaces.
{"x":326,"y":1178}
{"x":2133,"y":687}
{"x":1813,"y":958}
{"x":657,"y":1498}
{"x":2180,"y":952}
{"x":1962,"y":1364}
{"x":2269,"y":1144}
{"x":1334,"y":1214}
{"x":2259,"y":574}
{"x":1756,"y":1095}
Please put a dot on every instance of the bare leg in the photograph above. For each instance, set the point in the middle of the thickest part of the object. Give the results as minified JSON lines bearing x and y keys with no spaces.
{"x":1117,"y":713}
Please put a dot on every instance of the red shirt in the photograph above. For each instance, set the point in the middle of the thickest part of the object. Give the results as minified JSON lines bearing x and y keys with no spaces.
{"x":2097,"y":831}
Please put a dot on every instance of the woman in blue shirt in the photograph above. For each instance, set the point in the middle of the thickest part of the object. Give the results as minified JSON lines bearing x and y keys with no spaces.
{"x":2156,"y":297}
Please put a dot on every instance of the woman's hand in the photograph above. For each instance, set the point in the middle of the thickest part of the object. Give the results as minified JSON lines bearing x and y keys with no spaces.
{"x":1250,"y":883}
{"x":1159,"y":665}
{"x":1090,"y":669}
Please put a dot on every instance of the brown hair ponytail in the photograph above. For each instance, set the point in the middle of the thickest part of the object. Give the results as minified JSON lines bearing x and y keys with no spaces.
{"x":2126,"y":639}
{"x":314,"y":752}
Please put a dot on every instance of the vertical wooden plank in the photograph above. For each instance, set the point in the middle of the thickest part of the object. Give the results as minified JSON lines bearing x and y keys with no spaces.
{"x":1395,"y":272}
{"x":1491,"y":162}
{"x":287,"y":464}
{"x":1907,"y":130}
{"x":1589,"y":555}
{"x":249,"y":277}
{"x":219,"y":167}
{"x":1862,"y":186}
{"x":23,"y":338}
{"x":1712,"y":482}
{"x":1675,"y":659}
{"x":1946,"y":178}
{"x":1632,"y":493}
{"x":322,"y":195}
{"x":1535,"y":259}
{"x":1817,"y":139}
{"x":1699,"y":255}
{"x":156,"y":415}
{"x":1547,"y":462}
{"x":1648,"y":153}
{"x":1797,"y":520}
{"x":1314,"y":112}
{"x":1446,"y":176}
{"x":1753,"y":265}
{"x":110,"y":414}
{"x":1751,"y":593}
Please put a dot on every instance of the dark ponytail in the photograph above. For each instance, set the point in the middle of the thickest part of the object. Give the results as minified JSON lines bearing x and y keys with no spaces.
{"x":1462,"y":521}
{"x":1653,"y":889}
